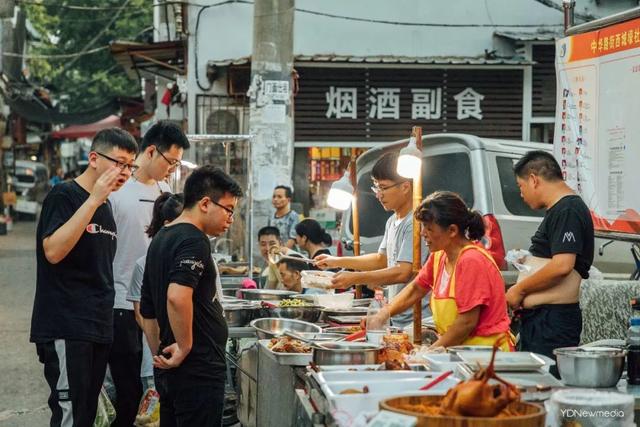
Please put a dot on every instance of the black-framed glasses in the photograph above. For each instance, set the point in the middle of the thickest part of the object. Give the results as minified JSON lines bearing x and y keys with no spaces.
{"x":120,"y":165}
{"x":173,"y":163}
{"x":377,"y":189}
{"x":230,"y":212}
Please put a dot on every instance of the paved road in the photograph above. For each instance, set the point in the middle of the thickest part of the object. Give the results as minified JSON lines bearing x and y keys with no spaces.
{"x":23,"y":390}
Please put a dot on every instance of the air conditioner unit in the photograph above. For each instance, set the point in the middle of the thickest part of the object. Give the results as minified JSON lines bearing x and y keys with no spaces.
{"x":223,"y":120}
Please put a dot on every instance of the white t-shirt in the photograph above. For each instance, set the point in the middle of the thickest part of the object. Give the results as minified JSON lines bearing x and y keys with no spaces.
{"x":397,"y":245}
{"x":132,"y":207}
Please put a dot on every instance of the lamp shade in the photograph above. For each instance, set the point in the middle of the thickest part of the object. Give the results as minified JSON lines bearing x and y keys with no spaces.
{"x":341,"y":194}
{"x":410,"y":161}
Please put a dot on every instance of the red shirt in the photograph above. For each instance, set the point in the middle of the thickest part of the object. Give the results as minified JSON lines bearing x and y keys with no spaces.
{"x":478,"y":283}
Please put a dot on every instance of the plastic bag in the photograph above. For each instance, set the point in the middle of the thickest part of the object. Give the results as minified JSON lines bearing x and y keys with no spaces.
{"x":149,"y":410}
{"x":516,"y":257}
{"x":106,"y":413}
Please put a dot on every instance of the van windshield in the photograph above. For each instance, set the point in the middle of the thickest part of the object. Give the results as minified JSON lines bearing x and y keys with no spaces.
{"x":450,"y":172}
{"x":510,"y":191}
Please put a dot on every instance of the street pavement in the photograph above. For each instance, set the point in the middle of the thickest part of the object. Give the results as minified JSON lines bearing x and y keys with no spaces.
{"x":23,"y":390}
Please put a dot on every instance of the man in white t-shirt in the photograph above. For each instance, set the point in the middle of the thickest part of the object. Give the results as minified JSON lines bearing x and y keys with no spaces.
{"x":390,"y":268}
{"x":160,"y":154}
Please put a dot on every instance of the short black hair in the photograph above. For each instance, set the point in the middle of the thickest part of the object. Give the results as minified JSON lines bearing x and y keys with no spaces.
{"x":269,"y":230}
{"x":211,"y":181}
{"x":106,"y":139}
{"x":288,"y":192}
{"x":386,"y":168}
{"x":163,"y":135}
{"x":293,"y":264}
{"x":540,"y":163}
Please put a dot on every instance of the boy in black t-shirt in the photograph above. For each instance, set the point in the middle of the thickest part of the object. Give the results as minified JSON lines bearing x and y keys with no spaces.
{"x":563,"y":249}
{"x":182,"y":319}
{"x":72,"y":321}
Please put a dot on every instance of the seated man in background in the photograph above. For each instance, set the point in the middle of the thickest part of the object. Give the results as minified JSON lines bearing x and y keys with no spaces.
{"x":269,"y":240}
{"x":291,"y":273}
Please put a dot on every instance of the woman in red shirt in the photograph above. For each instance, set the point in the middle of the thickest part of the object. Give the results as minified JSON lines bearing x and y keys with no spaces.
{"x":467,"y":291}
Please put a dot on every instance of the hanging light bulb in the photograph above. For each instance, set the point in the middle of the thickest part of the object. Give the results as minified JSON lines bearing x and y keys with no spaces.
{"x":410,"y":160}
{"x":341,"y":193}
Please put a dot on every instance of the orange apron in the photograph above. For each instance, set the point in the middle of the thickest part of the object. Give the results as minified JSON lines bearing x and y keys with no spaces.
{"x":445,"y":310}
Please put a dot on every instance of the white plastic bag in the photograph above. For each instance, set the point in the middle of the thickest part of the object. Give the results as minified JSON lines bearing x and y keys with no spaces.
{"x":516,"y":257}
{"x":105,"y":413}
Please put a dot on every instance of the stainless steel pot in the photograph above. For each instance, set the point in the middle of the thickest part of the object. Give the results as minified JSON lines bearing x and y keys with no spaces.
{"x":272,"y":326}
{"x":305,"y":313}
{"x":590,"y":366}
{"x":343,"y":353}
{"x":265,"y":294}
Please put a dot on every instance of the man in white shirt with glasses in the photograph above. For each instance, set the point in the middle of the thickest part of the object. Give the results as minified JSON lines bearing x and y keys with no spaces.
{"x":161,"y":151}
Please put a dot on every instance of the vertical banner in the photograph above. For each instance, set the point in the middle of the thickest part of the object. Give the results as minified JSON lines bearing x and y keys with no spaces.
{"x":597,"y":133}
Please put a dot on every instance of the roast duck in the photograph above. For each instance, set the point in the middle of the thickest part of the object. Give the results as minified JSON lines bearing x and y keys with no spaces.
{"x":476,"y":397}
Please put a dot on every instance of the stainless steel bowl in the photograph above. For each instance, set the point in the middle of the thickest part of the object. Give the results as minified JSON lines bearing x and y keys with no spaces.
{"x":240,"y":316}
{"x":305,"y":313}
{"x":590,"y":366}
{"x":270,"y":327}
{"x":265,"y":294}
{"x":343,"y":353}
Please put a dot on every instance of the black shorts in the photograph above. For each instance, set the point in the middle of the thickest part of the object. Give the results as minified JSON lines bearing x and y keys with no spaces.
{"x":550,"y":326}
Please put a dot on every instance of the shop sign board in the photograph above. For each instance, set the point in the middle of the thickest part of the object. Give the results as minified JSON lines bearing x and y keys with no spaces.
{"x":597,"y":122}
{"x":384,"y":103}
{"x":381,"y":104}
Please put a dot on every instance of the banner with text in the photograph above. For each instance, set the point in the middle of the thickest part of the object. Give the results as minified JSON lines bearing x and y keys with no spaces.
{"x":597,"y":130}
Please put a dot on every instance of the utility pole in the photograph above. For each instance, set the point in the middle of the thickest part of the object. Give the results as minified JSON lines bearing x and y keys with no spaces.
{"x":271,"y":108}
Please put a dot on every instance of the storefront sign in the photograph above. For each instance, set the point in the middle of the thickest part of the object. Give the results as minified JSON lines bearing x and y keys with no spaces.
{"x":383,"y":104}
{"x":597,"y":122}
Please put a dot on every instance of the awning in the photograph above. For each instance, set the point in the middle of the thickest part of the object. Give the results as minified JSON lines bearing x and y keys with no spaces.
{"x":530,"y":36}
{"x":164,"y":59}
{"x":86,"y":131}
{"x":388,"y":59}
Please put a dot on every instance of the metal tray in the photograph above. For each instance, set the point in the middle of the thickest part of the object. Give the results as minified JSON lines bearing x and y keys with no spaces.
{"x":504,"y":362}
{"x":346,"y":330}
{"x":346,"y":319}
{"x":288,"y":359}
{"x":366,"y":368}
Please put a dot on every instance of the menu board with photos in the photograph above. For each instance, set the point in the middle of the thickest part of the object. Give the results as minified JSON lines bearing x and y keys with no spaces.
{"x":597,"y":134}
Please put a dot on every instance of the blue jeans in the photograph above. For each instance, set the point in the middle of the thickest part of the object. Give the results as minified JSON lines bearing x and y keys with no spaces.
{"x":185,"y":405}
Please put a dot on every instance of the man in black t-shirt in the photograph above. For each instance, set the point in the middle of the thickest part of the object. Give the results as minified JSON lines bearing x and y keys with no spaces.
{"x":184,"y":324}
{"x":562,"y":253}
{"x":72,"y":321}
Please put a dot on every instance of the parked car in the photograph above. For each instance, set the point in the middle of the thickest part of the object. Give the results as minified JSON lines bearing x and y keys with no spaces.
{"x":481,"y":171}
{"x":29,"y":176}
{"x":31,"y":184}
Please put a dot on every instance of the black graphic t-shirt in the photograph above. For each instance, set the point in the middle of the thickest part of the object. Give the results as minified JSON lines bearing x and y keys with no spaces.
{"x":566,"y":228}
{"x":74,"y":298}
{"x":181,"y":254}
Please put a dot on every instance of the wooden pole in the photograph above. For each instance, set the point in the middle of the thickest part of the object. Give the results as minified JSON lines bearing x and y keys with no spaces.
{"x":354,"y":213}
{"x":416,"y":133}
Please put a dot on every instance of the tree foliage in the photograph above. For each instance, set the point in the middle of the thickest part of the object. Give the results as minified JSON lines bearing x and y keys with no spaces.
{"x":90,"y":80}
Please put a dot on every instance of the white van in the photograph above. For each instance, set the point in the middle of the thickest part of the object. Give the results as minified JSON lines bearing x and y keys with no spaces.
{"x":481,"y":171}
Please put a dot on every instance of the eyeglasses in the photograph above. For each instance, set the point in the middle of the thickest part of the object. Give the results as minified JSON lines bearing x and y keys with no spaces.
{"x":122,"y":166}
{"x":173,"y":163}
{"x":230,"y":213}
{"x":377,"y":189}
